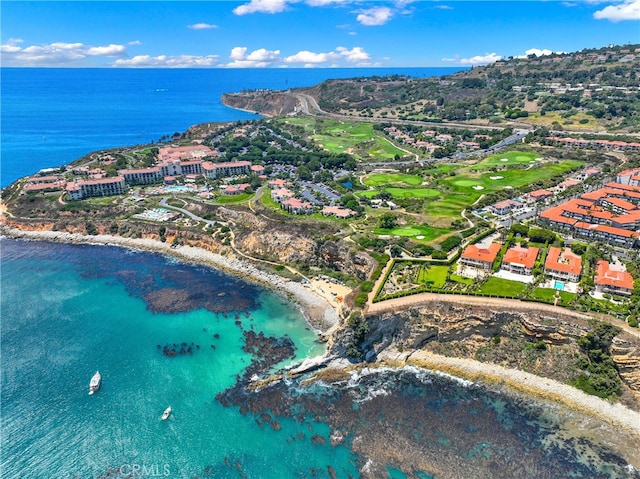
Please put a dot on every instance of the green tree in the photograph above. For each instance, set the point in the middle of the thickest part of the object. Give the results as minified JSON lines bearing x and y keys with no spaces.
{"x":388,"y":221}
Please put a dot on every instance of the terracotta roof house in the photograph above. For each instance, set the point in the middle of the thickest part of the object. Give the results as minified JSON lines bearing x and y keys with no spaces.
{"x":296,"y":206}
{"x":235,"y":189}
{"x":479,"y":257}
{"x":563,"y":265}
{"x":278,"y":183}
{"x":520,"y":260}
{"x":503,"y":207}
{"x":337,"y":212}
{"x":539,"y":195}
{"x":612,"y":280}
{"x":280,"y":194}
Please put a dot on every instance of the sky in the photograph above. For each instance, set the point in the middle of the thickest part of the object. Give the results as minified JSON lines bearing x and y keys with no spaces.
{"x":305,"y":33}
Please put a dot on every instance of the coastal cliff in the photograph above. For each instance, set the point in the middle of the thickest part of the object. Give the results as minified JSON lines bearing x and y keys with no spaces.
{"x":266,"y":103}
{"x":544,"y":344}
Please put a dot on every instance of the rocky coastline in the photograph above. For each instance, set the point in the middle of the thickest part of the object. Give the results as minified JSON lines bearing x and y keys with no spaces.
{"x":325,"y":319}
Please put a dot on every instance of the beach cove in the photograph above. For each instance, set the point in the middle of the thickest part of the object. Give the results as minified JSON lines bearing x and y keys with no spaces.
{"x":323,"y":316}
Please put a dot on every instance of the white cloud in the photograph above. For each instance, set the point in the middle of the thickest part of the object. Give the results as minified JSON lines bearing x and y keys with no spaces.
{"x":9,"y":48}
{"x":308,"y":57}
{"x":262,"y":6}
{"x":263,"y":55}
{"x":202,"y":26}
{"x":537,"y":52}
{"x":277,"y":6}
{"x":375,"y":16}
{"x":477,"y":60}
{"x":627,"y":10}
{"x":324,"y":3}
{"x":404,"y":3}
{"x":108,"y":51}
{"x":259,"y":58}
{"x":238,"y":53}
{"x":443,"y":7}
{"x":355,"y":55}
{"x":55,"y":54}
{"x":135,"y":42}
{"x":165,"y":61}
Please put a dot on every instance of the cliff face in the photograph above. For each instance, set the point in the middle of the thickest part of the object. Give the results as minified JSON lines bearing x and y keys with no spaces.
{"x":293,"y":244}
{"x":542,"y":344}
{"x":264,"y":103}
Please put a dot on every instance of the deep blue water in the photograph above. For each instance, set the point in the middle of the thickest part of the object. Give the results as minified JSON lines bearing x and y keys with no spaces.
{"x":52,"y":117}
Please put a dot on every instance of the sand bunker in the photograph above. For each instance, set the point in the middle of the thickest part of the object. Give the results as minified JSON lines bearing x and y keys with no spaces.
{"x":508,"y":187}
{"x":504,"y":159}
{"x":420,"y":237}
{"x":496,"y":177}
{"x":478,"y":187}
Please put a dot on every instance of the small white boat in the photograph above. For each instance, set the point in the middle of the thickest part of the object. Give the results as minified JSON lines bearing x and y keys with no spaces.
{"x":94,"y":384}
{"x":166,"y":413}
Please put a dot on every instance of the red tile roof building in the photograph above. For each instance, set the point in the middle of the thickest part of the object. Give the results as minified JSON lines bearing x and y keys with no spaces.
{"x":297,"y":207}
{"x":629,"y":177}
{"x":102,"y":187}
{"x":503,"y":207}
{"x":610,"y":214}
{"x":337,"y":212}
{"x":563,"y":265}
{"x":612,"y":280}
{"x":479,"y":257}
{"x":520,"y":260}
{"x":538,"y":195}
{"x":233,"y":168}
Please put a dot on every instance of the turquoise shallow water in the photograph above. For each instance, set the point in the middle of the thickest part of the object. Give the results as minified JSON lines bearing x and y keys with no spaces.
{"x":60,"y":324}
{"x":166,"y":333}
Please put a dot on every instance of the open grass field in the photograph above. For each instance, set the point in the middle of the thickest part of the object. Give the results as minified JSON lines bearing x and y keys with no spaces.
{"x":495,"y":181}
{"x":571,"y":123}
{"x":384,"y":179}
{"x":450,"y":205}
{"x":358,"y":139}
{"x":460,"y":190}
{"x":549,"y":294}
{"x":225,"y":200}
{"x":415,"y":232}
{"x":436,"y":276}
{"x":502,"y":287}
{"x":507,"y":159}
{"x":412,"y":192}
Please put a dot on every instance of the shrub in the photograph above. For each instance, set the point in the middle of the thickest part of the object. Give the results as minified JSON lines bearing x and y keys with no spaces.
{"x":449,"y":243}
{"x":361,"y":299}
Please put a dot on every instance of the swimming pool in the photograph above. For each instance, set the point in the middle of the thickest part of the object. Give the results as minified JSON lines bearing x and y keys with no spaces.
{"x":559,"y":285}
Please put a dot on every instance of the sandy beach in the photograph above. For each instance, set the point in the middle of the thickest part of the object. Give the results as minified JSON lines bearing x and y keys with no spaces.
{"x":316,"y":302}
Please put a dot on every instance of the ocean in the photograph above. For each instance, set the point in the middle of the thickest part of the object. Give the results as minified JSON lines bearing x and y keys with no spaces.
{"x":53,"y":116}
{"x":164,"y":333}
